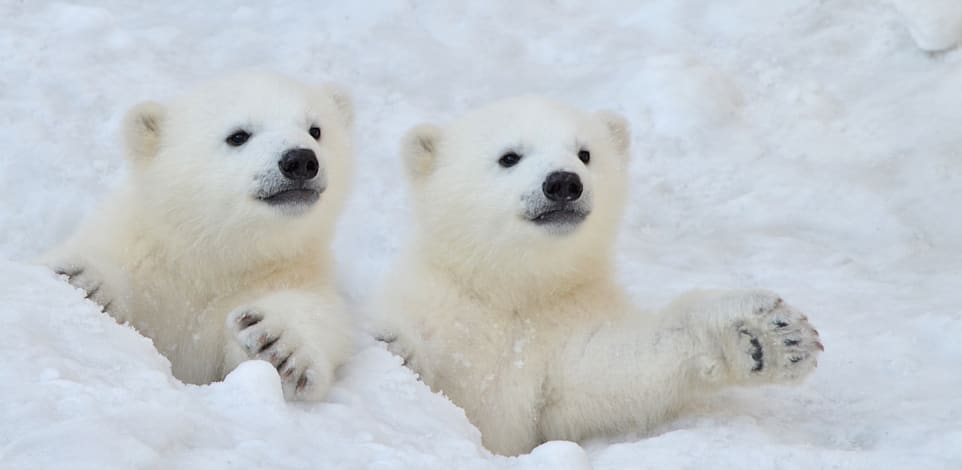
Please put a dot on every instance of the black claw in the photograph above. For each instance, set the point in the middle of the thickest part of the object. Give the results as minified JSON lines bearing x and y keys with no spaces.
{"x":386,"y":338}
{"x":255,"y":346}
{"x":280,"y":367}
{"x":266,"y":343}
{"x":248,"y":319}
{"x":301,"y":383}
{"x":92,"y":292}
{"x":69,"y":272}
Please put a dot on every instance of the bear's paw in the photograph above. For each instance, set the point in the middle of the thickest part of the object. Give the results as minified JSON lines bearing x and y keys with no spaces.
{"x":269,"y":337}
{"x":772,"y":343}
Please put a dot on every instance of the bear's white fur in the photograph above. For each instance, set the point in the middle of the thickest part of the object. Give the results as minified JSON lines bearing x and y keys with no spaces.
{"x":521,"y":323}
{"x":189,"y":251}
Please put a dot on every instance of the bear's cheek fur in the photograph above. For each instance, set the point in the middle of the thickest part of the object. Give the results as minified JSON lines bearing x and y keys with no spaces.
{"x":201,"y":185}
{"x":479,"y":207}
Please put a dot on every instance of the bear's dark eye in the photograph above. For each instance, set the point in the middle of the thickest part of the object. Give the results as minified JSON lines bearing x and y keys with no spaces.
{"x":238,"y":138}
{"x":584,"y":156}
{"x":509,"y":159}
{"x":315,"y":132}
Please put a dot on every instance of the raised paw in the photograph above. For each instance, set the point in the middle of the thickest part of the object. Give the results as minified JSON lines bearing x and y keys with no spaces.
{"x":88,"y":280}
{"x":267,"y":337}
{"x":772,"y":342}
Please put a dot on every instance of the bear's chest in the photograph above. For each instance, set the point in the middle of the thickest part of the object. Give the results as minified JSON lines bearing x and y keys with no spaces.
{"x":478,"y":353}
{"x":493,"y":366}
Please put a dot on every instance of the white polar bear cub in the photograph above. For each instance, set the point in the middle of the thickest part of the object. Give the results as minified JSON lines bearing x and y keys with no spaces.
{"x":216,"y":245}
{"x":505,"y":300}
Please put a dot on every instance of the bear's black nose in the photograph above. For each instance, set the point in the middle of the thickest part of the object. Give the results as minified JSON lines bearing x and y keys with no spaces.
{"x":298,"y":164}
{"x":562,"y":186}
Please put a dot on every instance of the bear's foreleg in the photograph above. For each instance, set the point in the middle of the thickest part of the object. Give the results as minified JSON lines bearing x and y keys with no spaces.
{"x":635,"y":372}
{"x":102,"y":283}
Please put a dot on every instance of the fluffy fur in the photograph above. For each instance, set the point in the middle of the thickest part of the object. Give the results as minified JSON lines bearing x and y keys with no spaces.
{"x":187,"y":251}
{"x":522,"y":324}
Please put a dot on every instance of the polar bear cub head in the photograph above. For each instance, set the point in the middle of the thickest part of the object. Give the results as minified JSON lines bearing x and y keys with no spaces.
{"x":251,"y":160}
{"x":521,"y":181}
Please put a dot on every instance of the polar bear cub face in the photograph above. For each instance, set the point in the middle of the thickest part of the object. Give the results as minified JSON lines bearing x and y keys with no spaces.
{"x":524,"y":171}
{"x":242,"y":154}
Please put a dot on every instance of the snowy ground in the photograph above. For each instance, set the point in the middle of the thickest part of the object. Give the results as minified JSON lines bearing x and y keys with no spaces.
{"x":809,"y":147}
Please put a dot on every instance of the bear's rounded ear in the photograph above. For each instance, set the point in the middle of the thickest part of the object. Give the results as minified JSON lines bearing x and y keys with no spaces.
{"x":618,"y":128}
{"x":142,"y":128}
{"x":419,"y":149}
{"x":342,"y":99}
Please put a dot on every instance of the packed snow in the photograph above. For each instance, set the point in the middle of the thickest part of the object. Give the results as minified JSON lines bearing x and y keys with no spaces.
{"x":936,"y":25}
{"x":814,"y":148}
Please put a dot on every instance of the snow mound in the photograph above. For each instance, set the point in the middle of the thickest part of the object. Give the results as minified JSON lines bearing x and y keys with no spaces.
{"x":686,"y":97}
{"x":935,"y":25}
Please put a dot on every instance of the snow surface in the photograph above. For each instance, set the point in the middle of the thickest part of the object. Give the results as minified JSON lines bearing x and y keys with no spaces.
{"x":808,"y":147}
{"x":936,"y":25}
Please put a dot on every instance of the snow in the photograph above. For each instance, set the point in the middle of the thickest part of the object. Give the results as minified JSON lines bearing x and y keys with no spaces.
{"x":936,"y":25}
{"x":808,"y":147}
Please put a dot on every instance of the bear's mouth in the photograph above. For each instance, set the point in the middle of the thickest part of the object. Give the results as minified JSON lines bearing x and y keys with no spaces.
{"x":292,"y":197}
{"x":560,"y":216}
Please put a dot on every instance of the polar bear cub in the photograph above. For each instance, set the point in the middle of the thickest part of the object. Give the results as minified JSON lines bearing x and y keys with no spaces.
{"x":504,"y":299}
{"x":216,"y":245}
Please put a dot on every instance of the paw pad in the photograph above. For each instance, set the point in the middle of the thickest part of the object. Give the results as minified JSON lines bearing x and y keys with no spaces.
{"x":775,"y":343}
